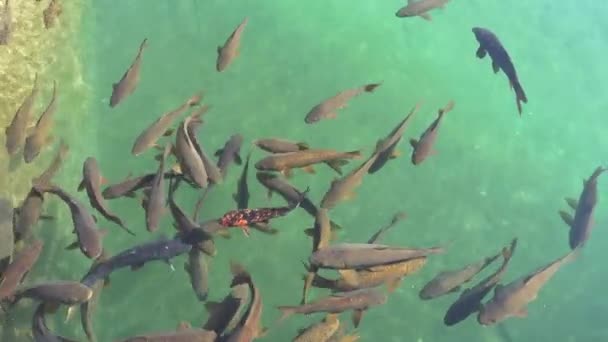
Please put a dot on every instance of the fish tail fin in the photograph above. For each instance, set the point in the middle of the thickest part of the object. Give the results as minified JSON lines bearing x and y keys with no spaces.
{"x":286,"y":311}
{"x":520,"y":95}
{"x":371,"y":87}
{"x":447,"y":108}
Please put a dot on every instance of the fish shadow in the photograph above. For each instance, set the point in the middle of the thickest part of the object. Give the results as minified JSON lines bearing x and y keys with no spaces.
{"x":15,"y":162}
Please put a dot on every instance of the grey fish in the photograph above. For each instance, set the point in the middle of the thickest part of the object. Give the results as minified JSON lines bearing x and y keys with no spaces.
{"x":40,"y":330}
{"x":16,"y":132}
{"x":155,"y":205}
{"x":358,"y":301}
{"x":198,"y":269}
{"x":451,"y":281}
{"x":131,"y":184}
{"x":214,"y":174}
{"x":91,"y":181}
{"x":284,"y":162}
{"x":582,"y":222}
{"x":511,"y":300}
{"x":328,"y":109}
{"x":88,"y":308}
{"x":41,"y":135}
{"x":361,"y":255}
{"x":249,"y":327}
{"x":49,"y":173}
{"x":423,"y":147}
{"x":386,"y":148}
{"x":491,"y":45}
{"x":130,"y":79}
{"x":63,"y":292}
{"x":420,"y":8}
{"x":470,"y":299}
{"x":27,"y":215}
{"x":6,"y":24}
{"x":19,"y":267}
{"x":190,"y":161}
{"x":277,"y":145}
{"x":241,"y":197}
{"x":50,"y":14}
{"x":88,"y":236}
{"x":160,"y":126}
{"x":230,"y":153}
{"x":224,"y":316}
{"x":231,"y":49}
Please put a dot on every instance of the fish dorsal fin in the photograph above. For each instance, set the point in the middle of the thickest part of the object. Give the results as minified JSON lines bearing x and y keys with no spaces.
{"x":413,"y":142}
{"x":349,"y":276}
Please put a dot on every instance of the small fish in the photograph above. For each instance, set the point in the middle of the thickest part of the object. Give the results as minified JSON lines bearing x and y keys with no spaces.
{"x":490,"y":44}
{"x":88,"y":236}
{"x":470,"y":299}
{"x":88,"y":308}
{"x":358,"y":301}
{"x":49,"y":173}
{"x":377,"y":236}
{"x":50,"y":14}
{"x":181,"y":335}
{"x":451,"y":281}
{"x":158,"y":128}
{"x":582,"y":222}
{"x":131,"y":184}
{"x":214,"y":174}
{"x":16,"y":271}
{"x":16,"y":132}
{"x":511,"y":300}
{"x":420,"y":8}
{"x":198,"y":270}
{"x":91,"y":181}
{"x":127,"y":84}
{"x":41,"y":135}
{"x":284,"y":162}
{"x":63,"y":292}
{"x":249,"y":328}
{"x":423,"y":147}
{"x":229,"y":153}
{"x":328,"y":109}
{"x":224,"y":316}
{"x":155,"y":204}
{"x":241,"y":197}
{"x":231,"y":49}
{"x":362,"y":255}
{"x":6,"y":23}
{"x":27,"y":215}
{"x":277,"y":145}
{"x":41,"y":331}
{"x":321,"y":331}
{"x":190,"y":161}
{"x":386,"y":148}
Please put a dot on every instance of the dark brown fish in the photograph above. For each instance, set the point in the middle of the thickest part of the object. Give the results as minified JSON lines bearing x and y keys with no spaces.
{"x":420,"y":8}
{"x":198,"y":269}
{"x":50,"y":14}
{"x":49,"y":173}
{"x":321,"y":239}
{"x":22,"y":262}
{"x":230,"y":153}
{"x":284,"y":162}
{"x":214,"y":174}
{"x":27,"y":215}
{"x":88,"y":308}
{"x":41,"y":331}
{"x":127,"y":84}
{"x":41,"y":134}
{"x":224,"y":316}
{"x":89,"y":237}
{"x":131,"y":184}
{"x":155,"y":204}
{"x":6,"y":23}
{"x":91,"y":181}
{"x":16,"y":132}
{"x":63,"y":292}
{"x":423,"y":147}
{"x":328,"y":109}
{"x":320,"y":331}
{"x":277,"y":145}
{"x":582,"y":222}
{"x":377,"y":236}
{"x":231,"y":49}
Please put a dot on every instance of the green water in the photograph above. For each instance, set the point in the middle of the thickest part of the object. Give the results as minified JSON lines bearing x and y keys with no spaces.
{"x":496,"y":176}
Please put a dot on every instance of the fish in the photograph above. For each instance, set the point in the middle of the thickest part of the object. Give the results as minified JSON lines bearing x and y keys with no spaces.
{"x":362,"y":255}
{"x":48,"y":174}
{"x":241,"y":197}
{"x":231,"y":49}
{"x":40,"y":136}
{"x":320,"y":331}
{"x":328,"y":108}
{"x":128,"y":186}
{"x":243,"y":218}
{"x":16,"y":132}
{"x":343,"y":189}
{"x":420,"y":8}
{"x":62,"y":292}
{"x":6,"y":24}
{"x":188,"y":334}
{"x":489,"y":44}
{"x":27,"y":215}
{"x":41,"y":331}
{"x":470,"y":299}
{"x":321,"y":239}
{"x":88,"y":308}
{"x":197,"y":268}
{"x":229,"y":153}
{"x":162,"y":249}
{"x":511,"y":300}
{"x":155,"y":205}
{"x":7,"y":235}
{"x":160,"y":126}
{"x":451,"y":281}
{"x":284,"y":162}
{"x":423,"y":147}
{"x":386,"y":148}
{"x":336,"y":303}
{"x":16,"y":271}
{"x":214,"y":174}
{"x":50,"y":14}
{"x":278,"y":145}
{"x":91,"y":182}
{"x":249,"y":328}
{"x":581,"y":224}
{"x":224,"y":316}
{"x":88,"y":236}
{"x":191,"y":163}
{"x":377,"y":236}
{"x":130,"y":79}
